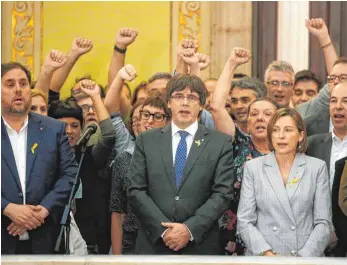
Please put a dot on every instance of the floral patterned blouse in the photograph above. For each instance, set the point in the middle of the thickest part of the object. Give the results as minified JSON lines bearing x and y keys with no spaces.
{"x":244,"y":150}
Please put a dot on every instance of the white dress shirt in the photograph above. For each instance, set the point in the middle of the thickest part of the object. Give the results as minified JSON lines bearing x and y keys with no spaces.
{"x":338,"y":151}
{"x":19,"y":148}
{"x":176,"y":138}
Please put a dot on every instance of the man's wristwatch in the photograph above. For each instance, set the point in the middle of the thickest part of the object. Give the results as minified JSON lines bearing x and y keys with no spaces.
{"x":119,"y":49}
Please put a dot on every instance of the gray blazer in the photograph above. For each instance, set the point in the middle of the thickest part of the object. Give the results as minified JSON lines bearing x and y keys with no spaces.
{"x":318,"y":123}
{"x":319,"y":104}
{"x":290,"y":220}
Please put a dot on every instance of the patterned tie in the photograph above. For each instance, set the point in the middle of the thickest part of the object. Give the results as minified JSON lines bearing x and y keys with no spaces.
{"x":181,"y":157}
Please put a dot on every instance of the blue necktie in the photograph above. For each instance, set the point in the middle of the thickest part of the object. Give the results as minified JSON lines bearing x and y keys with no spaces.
{"x":181,"y":157}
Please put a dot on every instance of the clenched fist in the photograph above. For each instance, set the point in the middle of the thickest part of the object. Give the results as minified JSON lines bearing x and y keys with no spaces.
{"x":127,"y":73}
{"x":239,"y":56}
{"x":190,"y":57}
{"x":125,"y":37}
{"x":81,"y":46}
{"x":317,"y":27}
{"x":204,"y":61}
{"x":54,"y":60}
{"x":89,"y":87}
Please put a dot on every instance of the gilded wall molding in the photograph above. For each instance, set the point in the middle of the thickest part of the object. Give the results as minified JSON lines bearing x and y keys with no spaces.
{"x":189,"y":18}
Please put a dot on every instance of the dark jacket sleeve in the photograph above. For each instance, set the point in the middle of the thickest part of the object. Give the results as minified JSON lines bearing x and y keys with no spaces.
{"x":102,"y":150}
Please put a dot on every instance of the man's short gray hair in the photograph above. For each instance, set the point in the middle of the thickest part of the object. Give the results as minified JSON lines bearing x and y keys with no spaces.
{"x":279,"y":66}
{"x":252,"y":83}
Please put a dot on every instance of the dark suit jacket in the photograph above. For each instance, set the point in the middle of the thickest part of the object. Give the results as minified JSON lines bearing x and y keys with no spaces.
{"x":339,"y":219}
{"x":50,"y":171}
{"x":319,"y":146}
{"x":199,"y":202}
{"x":317,"y":124}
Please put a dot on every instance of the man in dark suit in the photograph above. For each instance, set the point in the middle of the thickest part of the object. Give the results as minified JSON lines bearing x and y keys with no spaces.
{"x":331,"y":147}
{"x":38,"y":169}
{"x":181,"y":178}
{"x":316,"y":111}
{"x":339,"y":219}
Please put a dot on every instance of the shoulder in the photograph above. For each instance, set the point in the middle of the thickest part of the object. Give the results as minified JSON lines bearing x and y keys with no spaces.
{"x":45,"y":120}
{"x":318,"y":137}
{"x":257,"y":162}
{"x":216,"y":135}
{"x":313,"y":161}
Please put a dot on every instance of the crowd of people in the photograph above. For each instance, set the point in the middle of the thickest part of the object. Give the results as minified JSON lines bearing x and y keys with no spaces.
{"x":227,"y":166}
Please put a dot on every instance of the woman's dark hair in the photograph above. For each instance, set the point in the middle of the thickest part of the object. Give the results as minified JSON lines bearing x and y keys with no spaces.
{"x":141,"y":86}
{"x":67,"y":108}
{"x":193,"y":82}
{"x":157,"y":101}
{"x":6,"y":67}
{"x":263,"y":99}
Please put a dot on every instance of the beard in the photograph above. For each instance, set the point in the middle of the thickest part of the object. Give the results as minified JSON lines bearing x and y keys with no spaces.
{"x":19,"y":111}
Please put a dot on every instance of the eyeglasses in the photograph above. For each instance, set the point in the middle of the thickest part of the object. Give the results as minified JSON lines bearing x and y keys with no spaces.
{"x":276,"y":83}
{"x":146,"y":115}
{"x":341,"y":78}
{"x":86,"y":108}
{"x":181,"y":97}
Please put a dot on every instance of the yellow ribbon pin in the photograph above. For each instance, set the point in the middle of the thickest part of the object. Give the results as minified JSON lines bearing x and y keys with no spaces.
{"x":35,"y":145}
{"x":293,"y":181}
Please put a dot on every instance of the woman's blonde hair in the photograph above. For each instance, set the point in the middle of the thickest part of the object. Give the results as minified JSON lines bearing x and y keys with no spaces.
{"x":37,"y":92}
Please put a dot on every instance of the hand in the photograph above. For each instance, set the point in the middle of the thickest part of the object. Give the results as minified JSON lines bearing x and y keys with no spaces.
{"x":127,"y":73}
{"x":15,"y":229}
{"x":190,"y":57}
{"x":269,"y":253}
{"x":204,"y":61}
{"x":89,"y":87}
{"x":125,"y":37}
{"x":41,"y":211}
{"x":177,"y":237}
{"x":239,"y":56}
{"x":24,"y":215}
{"x":317,"y":28}
{"x":81,"y":46}
{"x":54,"y":60}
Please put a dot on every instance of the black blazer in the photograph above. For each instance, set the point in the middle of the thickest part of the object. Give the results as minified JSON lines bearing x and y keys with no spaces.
{"x":339,"y":219}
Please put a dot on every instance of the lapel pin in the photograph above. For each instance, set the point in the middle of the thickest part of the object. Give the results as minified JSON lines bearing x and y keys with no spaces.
{"x":198,"y":142}
{"x":35,"y":145}
{"x":293,"y":181}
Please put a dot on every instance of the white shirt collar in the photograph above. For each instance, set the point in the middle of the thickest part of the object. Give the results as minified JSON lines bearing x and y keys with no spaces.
{"x":192,"y":129}
{"x":336,"y":138}
{"x":25,"y":124}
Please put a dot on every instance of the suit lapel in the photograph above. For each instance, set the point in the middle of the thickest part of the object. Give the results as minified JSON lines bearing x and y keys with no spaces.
{"x":199,"y":143}
{"x":7,"y":154}
{"x":296,"y":174}
{"x":274,"y":175}
{"x":35,"y":133}
{"x":165,"y":143}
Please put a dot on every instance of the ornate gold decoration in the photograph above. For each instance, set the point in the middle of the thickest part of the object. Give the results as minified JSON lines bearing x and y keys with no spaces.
{"x":189,"y":19}
{"x":23,"y":33}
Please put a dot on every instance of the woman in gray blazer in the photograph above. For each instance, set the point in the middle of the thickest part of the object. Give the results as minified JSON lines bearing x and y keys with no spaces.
{"x":285,"y":205}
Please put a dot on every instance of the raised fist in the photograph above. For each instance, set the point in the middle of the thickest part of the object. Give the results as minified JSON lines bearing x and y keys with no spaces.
{"x":128,"y":73}
{"x":189,"y":57}
{"x":54,"y":60}
{"x":89,"y":87}
{"x":204,"y":61}
{"x":81,"y":46}
{"x":317,"y":27}
{"x":239,"y":56}
{"x":187,"y":44}
{"x":125,"y":37}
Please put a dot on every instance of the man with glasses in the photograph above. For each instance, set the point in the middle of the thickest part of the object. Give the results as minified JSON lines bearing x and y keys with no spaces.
{"x":181,"y":177}
{"x":318,"y":118}
{"x":279,"y":78}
